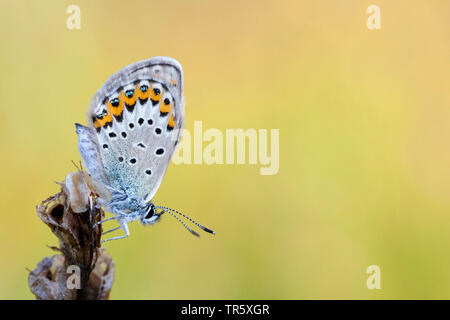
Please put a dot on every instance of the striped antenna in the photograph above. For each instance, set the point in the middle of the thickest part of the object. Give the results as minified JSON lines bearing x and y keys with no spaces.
{"x":194,"y":222}
{"x":184,"y":224}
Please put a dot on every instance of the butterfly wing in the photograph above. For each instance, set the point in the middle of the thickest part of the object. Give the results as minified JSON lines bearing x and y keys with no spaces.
{"x":134,"y":125}
{"x":88,"y":146}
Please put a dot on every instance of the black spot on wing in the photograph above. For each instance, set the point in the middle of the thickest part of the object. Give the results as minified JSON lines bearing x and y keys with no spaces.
{"x":130,"y":108}
{"x":119,"y":118}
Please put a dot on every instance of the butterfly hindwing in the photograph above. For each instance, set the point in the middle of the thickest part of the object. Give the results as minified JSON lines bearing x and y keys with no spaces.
{"x":135,"y":120}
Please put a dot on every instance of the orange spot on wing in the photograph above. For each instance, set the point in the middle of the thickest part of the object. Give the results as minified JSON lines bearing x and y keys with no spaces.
{"x":171,"y":122}
{"x":164,"y":108}
{"x":129,"y":101}
{"x":153,"y":96}
{"x":116,"y":111}
{"x":143,"y":95}
{"x":106,"y":119}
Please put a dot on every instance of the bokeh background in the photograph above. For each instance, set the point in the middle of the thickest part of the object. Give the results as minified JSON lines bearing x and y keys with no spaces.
{"x":364,"y":119}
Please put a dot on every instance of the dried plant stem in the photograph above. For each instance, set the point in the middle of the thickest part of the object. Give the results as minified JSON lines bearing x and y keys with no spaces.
{"x":81,"y":270}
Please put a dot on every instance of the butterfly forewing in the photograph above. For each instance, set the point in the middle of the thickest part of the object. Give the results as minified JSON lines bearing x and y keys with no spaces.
{"x":136,"y":117}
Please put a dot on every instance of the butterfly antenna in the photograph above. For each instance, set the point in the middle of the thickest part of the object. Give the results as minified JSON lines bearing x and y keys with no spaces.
{"x":194,"y":222}
{"x":184,"y":224}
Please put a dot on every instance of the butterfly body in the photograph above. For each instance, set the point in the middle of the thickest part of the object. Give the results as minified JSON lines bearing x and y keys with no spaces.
{"x":134,"y":125}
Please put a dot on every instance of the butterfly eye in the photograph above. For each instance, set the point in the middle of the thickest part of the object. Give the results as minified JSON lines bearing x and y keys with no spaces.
{"x":150,"y":213}
{"x":115,"y":102}
{"x":144,"y":88}
{"x":129,"y":93}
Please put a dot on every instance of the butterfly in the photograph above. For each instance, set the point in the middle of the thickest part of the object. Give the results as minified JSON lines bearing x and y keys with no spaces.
{"x":134,"y":125}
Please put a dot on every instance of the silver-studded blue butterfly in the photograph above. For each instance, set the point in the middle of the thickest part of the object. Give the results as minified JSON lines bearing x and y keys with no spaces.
{"x":134,"y":125}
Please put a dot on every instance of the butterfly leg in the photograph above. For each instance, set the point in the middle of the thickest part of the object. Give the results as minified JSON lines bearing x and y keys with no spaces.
{"x":109,"y":219}
{"x":114,"y":229}
{"x":124,"y":226}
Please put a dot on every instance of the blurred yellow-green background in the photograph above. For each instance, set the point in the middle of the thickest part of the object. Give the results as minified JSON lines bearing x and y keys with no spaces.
{"x":364,"y":119}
